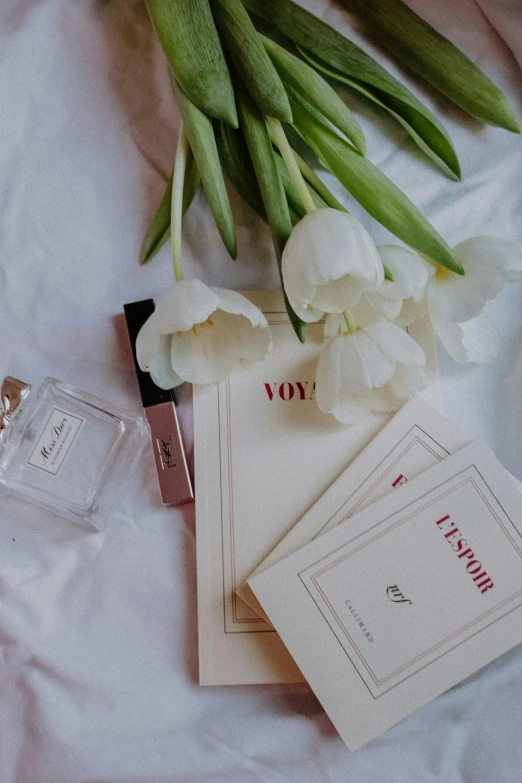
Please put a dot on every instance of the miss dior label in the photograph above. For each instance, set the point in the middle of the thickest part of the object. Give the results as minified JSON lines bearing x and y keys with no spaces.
{"x":55,"y":441}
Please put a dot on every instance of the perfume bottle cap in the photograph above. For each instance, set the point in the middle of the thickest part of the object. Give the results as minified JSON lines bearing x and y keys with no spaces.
{"x":12,"y":394}
{"x":136,"y":313}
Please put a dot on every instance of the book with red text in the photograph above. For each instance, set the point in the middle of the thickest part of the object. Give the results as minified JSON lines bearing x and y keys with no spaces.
{"x":415,"y":439}
{"x":407,"y":597}
{"x":264,"y":453}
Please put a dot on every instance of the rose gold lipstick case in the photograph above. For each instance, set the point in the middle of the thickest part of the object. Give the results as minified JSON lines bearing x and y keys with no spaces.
{"x":160,"y":411}
{"x":169,"y":454}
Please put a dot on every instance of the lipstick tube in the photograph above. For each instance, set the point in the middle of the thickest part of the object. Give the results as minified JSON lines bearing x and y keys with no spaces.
{"x":160,"y":410}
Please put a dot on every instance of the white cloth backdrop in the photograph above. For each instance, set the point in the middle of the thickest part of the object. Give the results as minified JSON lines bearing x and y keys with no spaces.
{"x":98,"y":647}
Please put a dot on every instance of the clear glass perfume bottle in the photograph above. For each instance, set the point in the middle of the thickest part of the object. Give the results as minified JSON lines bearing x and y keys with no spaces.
{"x":66,"y":450}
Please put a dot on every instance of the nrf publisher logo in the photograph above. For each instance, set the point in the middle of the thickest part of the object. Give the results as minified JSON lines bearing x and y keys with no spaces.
{"x":395,"y":594}
{"x":287,"y":391}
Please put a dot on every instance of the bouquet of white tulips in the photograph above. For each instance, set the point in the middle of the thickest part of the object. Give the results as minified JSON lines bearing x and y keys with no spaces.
{"x":236,"y":89}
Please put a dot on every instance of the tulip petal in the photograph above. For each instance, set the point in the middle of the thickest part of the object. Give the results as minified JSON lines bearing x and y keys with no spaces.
{"x":300,"y":294}
{"x":328,"y":261}
{"x":476,"y":340}
{"x":328,"y":378}
{"x":341,"y":245}
{"x":210,"y":351}
{"x":147,"y":343}
{"x":379,"y":306}
{"x":236,"y":304}
{"x":349,"y":411}
{"x":407,"y":381}
{"x":186,"y":303}
{"x":252,"y":343}
{"x":328,"y":244}
{"x":411,"y":273}
{"x":354,"y":376}
{"x":490,"y":250}
{"x":383,"y":400}
{"x":365,"y":312}
{"x":503,"y":252}
{"x":395,"y":343}
{"x":336,"y":296}
{"x":205,"y":357}
{"x":160,"y":367}
{"x":334,"y":325}
{"x":363,"y":365}
{"x":305,"y":312}
{"x":457,"y":299}
{"x":411,"y":312}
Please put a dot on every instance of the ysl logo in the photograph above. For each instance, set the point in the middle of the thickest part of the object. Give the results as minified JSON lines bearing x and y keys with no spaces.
{"x":167,"y":457}
{"x":395,"y":595}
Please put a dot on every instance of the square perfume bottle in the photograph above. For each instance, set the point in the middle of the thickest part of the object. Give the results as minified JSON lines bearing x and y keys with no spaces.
{"x":65,"y":450}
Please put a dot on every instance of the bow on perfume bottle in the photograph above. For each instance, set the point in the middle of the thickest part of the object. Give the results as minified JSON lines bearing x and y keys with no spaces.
{"x":12,"y":394}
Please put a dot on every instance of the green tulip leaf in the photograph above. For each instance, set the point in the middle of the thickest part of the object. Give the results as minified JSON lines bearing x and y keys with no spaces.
{"x":259,"y":144}
{"x":422,"y":49}
{"x":245,"y":47}
{"x":371,"y":188}
{"x":336,"y":55}
{"x":189,"y":38}
{"x":200,"y":133}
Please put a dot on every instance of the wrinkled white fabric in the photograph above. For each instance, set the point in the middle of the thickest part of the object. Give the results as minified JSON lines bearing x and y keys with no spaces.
{"x":98,"y":647}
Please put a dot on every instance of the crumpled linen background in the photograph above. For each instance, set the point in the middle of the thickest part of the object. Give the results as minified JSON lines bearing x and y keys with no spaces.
{"x":98,"y":647}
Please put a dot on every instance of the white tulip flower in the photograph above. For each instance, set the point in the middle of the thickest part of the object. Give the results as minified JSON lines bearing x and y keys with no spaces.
{"x":459,"y":305}
{"x":477,"y":340}
{"x":376,"y":367}
{"x":200,"y":334}
{"x":329,"y":261}
{"x":458,"y":298}
{"x":408,"y":288}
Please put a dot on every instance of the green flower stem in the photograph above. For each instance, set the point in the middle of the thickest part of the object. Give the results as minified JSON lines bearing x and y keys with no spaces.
{"x":351,"y":323}
{"x":312,"y":179}
{"x":317,"y":183}
{"x":291,"y":163}
{"x":176,"y":214}
{"x":388,"y":274}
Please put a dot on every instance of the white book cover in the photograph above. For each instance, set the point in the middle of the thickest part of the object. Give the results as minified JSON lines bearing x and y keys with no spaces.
{"x":406,"y":598}
{"x":263,"y":454}
{"x":415,"y":439}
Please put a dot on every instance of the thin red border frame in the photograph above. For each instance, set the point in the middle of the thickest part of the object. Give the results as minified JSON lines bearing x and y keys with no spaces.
{"x":313,"y":578}
{"x":353,"y":510}
{"x":234,"y":598}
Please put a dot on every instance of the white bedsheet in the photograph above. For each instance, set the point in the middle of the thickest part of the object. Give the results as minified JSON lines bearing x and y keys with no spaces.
{"x":98,"y":643}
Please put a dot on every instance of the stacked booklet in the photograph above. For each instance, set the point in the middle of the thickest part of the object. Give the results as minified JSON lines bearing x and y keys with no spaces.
{"x":381,"y":563}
